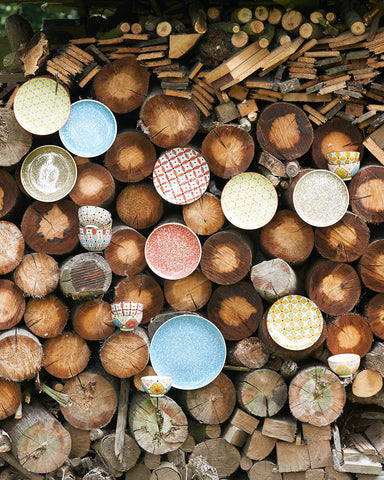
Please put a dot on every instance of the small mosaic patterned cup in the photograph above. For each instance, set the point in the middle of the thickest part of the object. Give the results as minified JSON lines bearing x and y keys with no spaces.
{"x":156,"y":385}
{"x":94,"y":217}
{"x":345,"y":164}
{"x":95,"y":239}
{"x":344,"y":364}
{"x":127,"y":315}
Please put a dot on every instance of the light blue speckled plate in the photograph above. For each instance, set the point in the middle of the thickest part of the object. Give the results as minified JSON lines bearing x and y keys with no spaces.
{"x":90,"y":130}
{"x":190,"y":349}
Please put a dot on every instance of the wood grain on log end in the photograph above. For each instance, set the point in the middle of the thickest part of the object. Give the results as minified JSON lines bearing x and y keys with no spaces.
{"x":37,"y":275}
{"x":46,"y":317}
{"x":12,"y":304}
{"x":94,"y":186}
{"x":349,"y":333}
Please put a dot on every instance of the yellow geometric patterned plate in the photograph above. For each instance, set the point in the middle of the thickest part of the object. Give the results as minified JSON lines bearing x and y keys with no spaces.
{"x":294,"y":322}
{"x":42,"y":106}
{"x":249,"y":200}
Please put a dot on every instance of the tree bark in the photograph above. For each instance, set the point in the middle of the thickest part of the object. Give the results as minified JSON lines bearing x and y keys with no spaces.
{"x":371,"y":266}
{"x":37,"y":275}
{"x":375,"y":315}
{"x":365,"y":192}
{"x":204,"y":216}
{"x":15,"y":142}
{"x":219,"y":454}
{"x":46,"y":317}
{"x":10,"y":398}
{"x":190,"y":293}
{"x":249,"y":352}
{"x":12,"y":304}
{"x":94,"y":186}
{"x":349,"y":333}
{"x":92,"y":320}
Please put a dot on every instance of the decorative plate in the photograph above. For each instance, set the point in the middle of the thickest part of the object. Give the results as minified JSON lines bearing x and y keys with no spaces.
{"x":249,"y":200}
{"x":90,"y":130}
{"x":172,"y":251}
{"x":190,"y":349}
{"x":48,"y":173}
{"x":320,"y":198}
{"x":294,"y":322}
{"x":42,"y":105}
{"x":181,"y":176}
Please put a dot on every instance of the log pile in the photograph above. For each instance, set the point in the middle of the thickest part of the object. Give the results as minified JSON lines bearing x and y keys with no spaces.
{"x":257,"y":89}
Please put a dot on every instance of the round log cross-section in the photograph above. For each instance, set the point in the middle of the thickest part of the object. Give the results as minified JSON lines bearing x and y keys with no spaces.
{"x":12,"y":247}
{"x":372,"y":266}
{"x":10,"y":398}
{"x":94,"y":186}
{"x":37,"y":275}
{"x":284,"y":131}
{"x":190,"y":293}
{"x":46,"y":317}
{"x":93,"y":320}
{"x":220,"y":454}
{"x":204,"y":216}
{"x":15,"y":141}
{"x":349,"y":333}
{"x":375,"y":315}
{"x":366,"y":194}
{"x":12,"y":304}
{"x":9,"y":191}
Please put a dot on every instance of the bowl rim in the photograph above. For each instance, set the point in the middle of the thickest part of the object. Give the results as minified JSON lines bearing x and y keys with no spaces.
{"x":344,"y":357}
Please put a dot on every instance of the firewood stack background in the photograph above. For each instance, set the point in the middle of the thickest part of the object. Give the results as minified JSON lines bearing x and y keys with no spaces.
{"x":72,"y":405}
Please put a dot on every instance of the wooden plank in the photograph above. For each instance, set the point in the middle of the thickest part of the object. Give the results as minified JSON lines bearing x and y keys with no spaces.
{"x":303,"y":97}
{"x":320,"y":454}
{"x":292,"y":457}
{"x":282,"y":428}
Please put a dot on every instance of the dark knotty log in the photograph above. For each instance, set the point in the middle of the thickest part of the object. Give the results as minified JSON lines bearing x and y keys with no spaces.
{"x":190,"y":293}
{"x":131,"y":158}
{"x":205,"y":216}
{"x":366,"y":194}
{"x":10,"y":398}
{"x":316,"y":396}
{"x":375,"y":315}
{"x":21,"y":355}
{"x":212,"y":404}
{"x":335,"y":136}
{"x":94,"y":399}
{"x":93,"y":320}
{"x":262,"y":392}
{"x":85,"y":276}
{"x":236,"y":310}
{"x":15,"y":142}
{"x":159,"y":426}
{"x":12,"y":304}
{"x":9,"y":193}
{"x":46,"y":317}
{"x":345,"y":241}
{"x":228,"y":151}
{"x":371,"y":266}
{"x":144,"y":289}
{"x":284,"y":131}
{"x":37,"y":275}
{"x":66,"y":355}
{"x":51,"y":228}
{"x":105,"y":448}
{"x":124,"y":354}
{"x":169,"y":121}
{"x":249,"y":352}
{"x":220,"y":454}
{"x":125,"y":253}
{"x":39,"y":441}
{"x":226,"y":257}
{"x":349,"y":334}
{"x":12,"y":243}
{"x":122,"y":85}
{"x":139,"y":205}
{"x":334,"y":287}
{"x":94,"y":186}
{"x":80,"y":441}
{"x":287,"y":237}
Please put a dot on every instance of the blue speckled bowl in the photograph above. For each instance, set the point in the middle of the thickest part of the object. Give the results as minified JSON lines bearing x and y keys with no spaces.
{"x":190,"y":349}
{"x":90,"y":130}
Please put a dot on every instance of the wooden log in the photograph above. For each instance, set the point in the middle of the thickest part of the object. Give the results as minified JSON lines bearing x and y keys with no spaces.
{"x":166,"y":470}
{"x":212,"y":404}
{"x":39,"y":441}
{"x":236,"y":310}
{"x":37,"y":275}
{"x":151,"y":460}
{"x":138,"y":472}
{"x":85,"y":276}
{"x":22,"y":355}
{"x":373,"y":359}
{"x":226,"y":257}
{"x":12,"y":304}
{"x":65,"y":355}
{"x":159,"y":426}
{"x":130,"y":452}
{"x":291,"y":21}
{"x":237,"y":437}
{"x":125,"y":253}
{"x":12,"y":250}
{"x":80,"y":441}
{"x":371,"y":265}
{"x":16,"y":141}
{"x":284,"y":131}
{"x":367,"y":383}
{"x":287,"y":237}
{"x":334,"y":287}
{"x":181,"y":43}
{"x":10,"y":398}
{"x":131,"y":157}
{"x":264,"y":470}
{"x":46,"y":317}
{"x":144,"y":289}
{"x":310,"y":30}
{"x":51,"y":228}
{"x":349,"y":333}
{"x":124,"y":354}
{"x":292,"y":457}
{"x":219,"y":454}
{"x":204,"y":216}
{"x":139,"y":205}
{"x":345,"y":241}
{"x":94,"y":399}
{"x":190,"y":293}
{"x":92,"y":320}
{"x":249,"y":352}
{"x":351,"y":18}
{"x":177,"y":124}
{"x":228,"y":150}
{"x":9,"y":194}
{"x":94,"y":186}
{"x":316,"y":396}
{"x":122,"y":85}
{"x":258,"y":446}
{"x":366,"y":195}
{"x":281,"y":428}
{"x":374,"y":315}
{"x":262,"y":392}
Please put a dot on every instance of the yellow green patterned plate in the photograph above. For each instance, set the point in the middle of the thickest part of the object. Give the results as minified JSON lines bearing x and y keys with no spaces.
{"x":42,"y":106}
{"x":249,"y":200}
{"x":294,"y":322}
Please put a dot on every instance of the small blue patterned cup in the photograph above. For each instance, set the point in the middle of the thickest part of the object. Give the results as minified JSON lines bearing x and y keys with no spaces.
{"x":95,"y":239}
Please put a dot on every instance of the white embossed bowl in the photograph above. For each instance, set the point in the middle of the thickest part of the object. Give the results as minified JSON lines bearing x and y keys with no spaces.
{"x":344,"y":364}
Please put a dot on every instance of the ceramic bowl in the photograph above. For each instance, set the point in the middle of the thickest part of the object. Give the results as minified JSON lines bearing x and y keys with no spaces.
{"x":156,"y":385}
{"x":94,"y":217}
{"x":344,"y":364}
{"x":95,"y":239}
{"x":127,"y":315}
{"x":344,"y":164}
